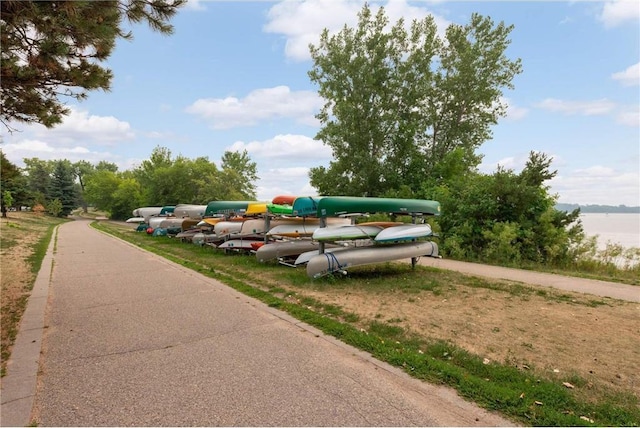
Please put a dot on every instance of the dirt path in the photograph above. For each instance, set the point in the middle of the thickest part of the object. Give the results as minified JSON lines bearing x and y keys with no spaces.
{"x":581,"y":285}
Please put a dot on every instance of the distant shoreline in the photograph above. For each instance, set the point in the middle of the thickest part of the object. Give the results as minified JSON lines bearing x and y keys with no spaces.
{"x":584,"y":209}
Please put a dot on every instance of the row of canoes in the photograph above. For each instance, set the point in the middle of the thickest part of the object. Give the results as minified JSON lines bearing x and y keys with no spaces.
{"x":319,"y":232}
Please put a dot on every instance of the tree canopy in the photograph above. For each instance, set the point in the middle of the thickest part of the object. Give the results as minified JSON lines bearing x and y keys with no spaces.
{"x":398,"y":102}
{"x":53,"y":49}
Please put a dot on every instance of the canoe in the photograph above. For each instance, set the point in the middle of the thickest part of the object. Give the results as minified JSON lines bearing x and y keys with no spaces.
{"x":277,"y":250}
{"x":343,"y":233}
{"x":405,"y":232}
{"x":337,"y":205}
{"x":226,"y":207}
{"x":155,"y":221}
{"x":328,"y":262}
{"x":146,"y":211}
{"x":304,"y":227}
{"x":283,"y":200}
{"x":308,"y":255}
{"x":305,"y":206}
{"x":227,"y":227}
{"x":293,"y":230}
{"x":256,"y":208}
{"x":383,"y":224}
{"x":238,"y":244}
{"x":135,"y":220}
{"x":188,"y":223}
{"x":167,"y":210}
{"x":170,"y":222}
{"x":189,"y":210}
{"x":280,"y":209}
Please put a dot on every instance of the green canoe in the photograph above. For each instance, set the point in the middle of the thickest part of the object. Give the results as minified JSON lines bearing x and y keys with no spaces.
{"x":304,"y":206}
{"x":331,"y":206}
{"x":280,"y":209}
{"x":167,"y":209}
{"x":226,"y":207}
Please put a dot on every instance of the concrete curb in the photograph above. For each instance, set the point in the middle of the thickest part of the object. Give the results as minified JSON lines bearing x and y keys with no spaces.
{"x":20,"y":383}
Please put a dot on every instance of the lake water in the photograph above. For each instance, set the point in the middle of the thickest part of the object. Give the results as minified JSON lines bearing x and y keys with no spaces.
{"x":623,"y":229}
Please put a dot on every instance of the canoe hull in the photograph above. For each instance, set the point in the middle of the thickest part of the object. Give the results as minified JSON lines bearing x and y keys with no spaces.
{"x":328,"y":263}
{"x":405,"y":232}
{"x":339,"y":205}
{"x":343,"y":233}
{"x":277,"y":250}
{"x":135,"y":220}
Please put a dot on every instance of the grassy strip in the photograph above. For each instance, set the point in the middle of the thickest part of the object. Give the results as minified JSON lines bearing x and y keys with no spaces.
{"x":12,"y":311}
{"x":39,"y":251}
{"x":518,"y":394}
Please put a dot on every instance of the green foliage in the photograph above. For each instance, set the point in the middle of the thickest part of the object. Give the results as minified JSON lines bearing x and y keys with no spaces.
{"x":62,"y":187}
{"x":38,"y":175}
{"x":239,"y":173}
{"x":165,"y":180}
{"x":506,"y":217}
{"x":52,"y":49}
{"x":55,"y":208}
{"x":126,"y":198}
{"x":398,"y":102}
{"x":100,"y":188}
{"x":13,"y":185}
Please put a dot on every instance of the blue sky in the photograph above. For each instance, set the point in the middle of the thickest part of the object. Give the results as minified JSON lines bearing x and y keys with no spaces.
{"x":233,"y":76}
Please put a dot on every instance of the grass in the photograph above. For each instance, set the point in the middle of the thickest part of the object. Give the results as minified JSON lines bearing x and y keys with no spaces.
{"x":522,"y":394}
{"x":15,"y":294}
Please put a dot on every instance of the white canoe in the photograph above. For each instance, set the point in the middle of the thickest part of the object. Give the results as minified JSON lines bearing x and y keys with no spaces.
{"x":135,"y":220}
{"x":227,"y":227}
{"x":405,"y":232}
{"x":290,"y":224}
{"x":238,"y":244}
{"x":146,"y":211}
{"x":293,"y":230}
{"x":327,"y":263}
{"x":155,"y":221}
{"x":277,"y":250}
{"x":343,"y":233}
{"x":189,"y":210}
{"x":308,"y":255}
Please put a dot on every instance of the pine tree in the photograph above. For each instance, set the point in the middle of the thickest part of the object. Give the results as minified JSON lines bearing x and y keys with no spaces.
{"x":55,"y":48}
{"x":62,"y":187}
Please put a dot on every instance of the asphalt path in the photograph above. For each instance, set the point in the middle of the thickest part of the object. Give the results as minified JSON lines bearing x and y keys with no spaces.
{"x":131,"y":339}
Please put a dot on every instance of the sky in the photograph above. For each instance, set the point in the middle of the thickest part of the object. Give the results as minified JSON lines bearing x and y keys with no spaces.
{"x":233,"y":76}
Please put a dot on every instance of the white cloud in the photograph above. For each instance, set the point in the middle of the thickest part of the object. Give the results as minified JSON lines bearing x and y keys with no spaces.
{"x":285,"y":147}
{"x":261,"y":104}
{"x":301,"y":22}
{"x":80,"y":126}
{"x":629,"y":116}
{"x":513,"y":112}
{"x":630,"y":76}
{"x":17,"y":151}
{"x":586,"y":108}
{"x":617,"y":12}
{"x":284,"y":181}
{"x":594,"y":186}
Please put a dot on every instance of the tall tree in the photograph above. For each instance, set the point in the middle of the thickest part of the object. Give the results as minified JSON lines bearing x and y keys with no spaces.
{"x":398,"y":102}
{"x":62,"y":187}
{"x":239,"y":174}
{"x":53,"y":49}
{"x":100,"y":189}
{"x":13,"y":183}
{"x":38,"y":178}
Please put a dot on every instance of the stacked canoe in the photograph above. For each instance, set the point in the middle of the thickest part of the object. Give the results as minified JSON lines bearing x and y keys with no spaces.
{"x":319,"y":232}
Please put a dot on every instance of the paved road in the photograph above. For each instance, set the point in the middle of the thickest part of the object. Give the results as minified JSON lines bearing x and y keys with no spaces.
{"x":132,"y":339}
